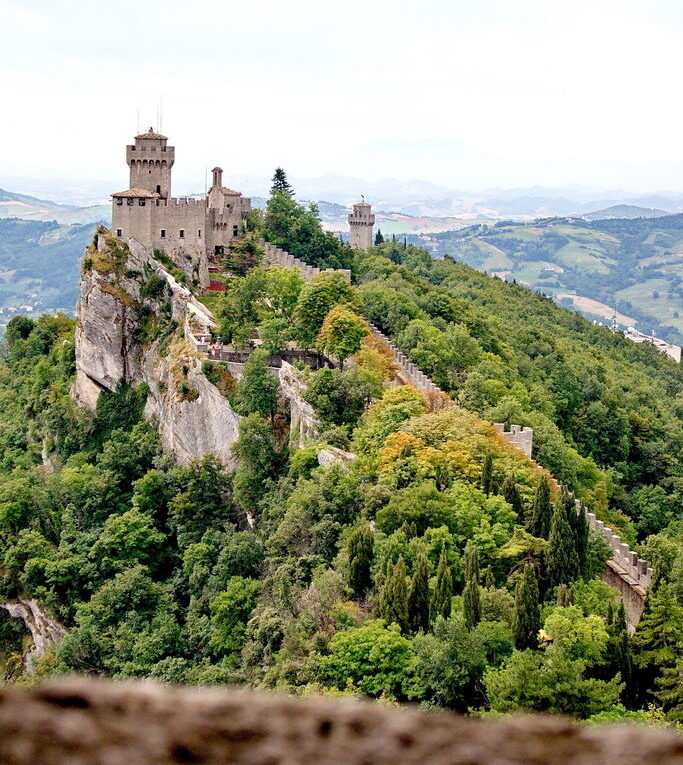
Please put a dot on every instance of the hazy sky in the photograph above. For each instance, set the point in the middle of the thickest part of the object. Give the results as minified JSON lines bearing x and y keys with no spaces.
{"x":468,"y":93}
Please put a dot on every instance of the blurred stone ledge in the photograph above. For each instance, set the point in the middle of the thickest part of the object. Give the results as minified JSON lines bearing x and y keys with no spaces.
{"x":81,"y":721}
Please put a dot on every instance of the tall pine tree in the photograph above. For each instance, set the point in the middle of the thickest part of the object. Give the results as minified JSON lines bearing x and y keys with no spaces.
{"x":418,"y":598}
{"x":471,"y":596}
{"x":512,"y":497}
{"x":563,"y":562}
{"x":541,"y":510}
{"x":443,"y":591}
{"x":281,"y":184}
{"x":361,"y":550}
{"x":527,"y":617}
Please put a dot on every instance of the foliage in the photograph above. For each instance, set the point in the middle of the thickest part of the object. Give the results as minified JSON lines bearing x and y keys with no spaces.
{"x":341,"y":333}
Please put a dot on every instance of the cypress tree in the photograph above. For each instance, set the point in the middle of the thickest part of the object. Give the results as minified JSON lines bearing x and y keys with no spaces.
{"x":620,"y":653}
{"x":565,"y":596}
{"x":541,"y":510}
{"x":379,"y":239}
{"x":418,"y":598}
{"x":581,"y":536}
{"x":361,"y":551}
{"x":527,"y":617}
{"x":511,"y":496}
{"x":394,"y":600}
{"x":487,"y":474}
{"x":443,"y":591}
{"x":489,"y":579}
{"x":563,"y":562}
{"x":471,"y":596}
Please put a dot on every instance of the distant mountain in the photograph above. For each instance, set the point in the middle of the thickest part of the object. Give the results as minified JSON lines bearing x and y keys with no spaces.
{"x":13,"y":205}
{"x":626,"y":211}
{"x":592,"y":266}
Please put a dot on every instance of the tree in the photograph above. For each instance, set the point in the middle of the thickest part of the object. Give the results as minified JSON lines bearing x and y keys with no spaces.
{"x":374,"y":659}
{"x":361,"y":553}
{"x":658,"y":640}
{"x":245,"y":254}
{"x":563,"y":562}
{"x":257,"y":461}
{"x":340,"y":397}
{"x":394,"y":597}
{"x":443,"y":591}
{"x":258,"y":390}
{"x":125,"y":540}
{"x":379,"y":239}
{"x":487,"y":474}
{"x":527,"y":619}
{"x":541,"y":509}
{"x":619,"y":654}
{"x":512,"y":497}
{"x":316,"y":299}
{"x":670,"y":691}
{"x":342,"y":333}
{"x":548,"y":681}
{"x":418,"y":598}
{"x":581,"y":539}
{"x":229,"y":614}
{"x":281,"y":184}
{"x":471,"y":598}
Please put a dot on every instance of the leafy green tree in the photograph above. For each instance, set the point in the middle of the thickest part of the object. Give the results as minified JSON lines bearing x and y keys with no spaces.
{"x":340,"y":397}
{"x":582,"y":637}
{"x":393,"y":602}
{"x":361,"y":553}
{"x":315,"y":301}
{"x":374,"y":659}
{"x":125,"y":540}
{"x":512,"y":497}
{"x":245,"y":254}
{"x":258,"y":462}
{"x":548,"y":681}
{"x":229,"y":615}
{"x":471,"y":597}
{"x":341,"y":334}
{"x":527,"y":619}
{"x":563,"y":561}
{"x":487,"y":474}
{"x":258,"y":390}
{"x":418,"y":597}
{"x":541,"y":510}
{"x":442,"y":596}
{"x":202,"y":501}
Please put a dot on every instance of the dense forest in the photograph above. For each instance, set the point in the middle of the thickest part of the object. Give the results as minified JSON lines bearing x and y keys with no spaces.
{"x":439,"y":566}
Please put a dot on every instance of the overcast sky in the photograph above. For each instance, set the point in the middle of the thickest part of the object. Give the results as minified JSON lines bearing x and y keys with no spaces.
{"x":466,"y":93}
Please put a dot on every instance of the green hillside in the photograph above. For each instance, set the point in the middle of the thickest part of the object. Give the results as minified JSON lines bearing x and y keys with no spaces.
{"x":635,"y":264}
{"x":39,"y":265}
{"x":13,"y":205}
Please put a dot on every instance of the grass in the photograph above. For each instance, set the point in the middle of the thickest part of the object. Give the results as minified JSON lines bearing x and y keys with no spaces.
{"x":663,"y":307}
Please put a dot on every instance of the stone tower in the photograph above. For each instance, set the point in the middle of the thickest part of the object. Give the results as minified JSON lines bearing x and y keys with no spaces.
{"x":361,"y":223}
{"x":150,"y":161}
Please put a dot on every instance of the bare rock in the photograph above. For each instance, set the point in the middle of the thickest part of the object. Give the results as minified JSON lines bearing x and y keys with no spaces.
{"x":44,"y":629}
{"x":94,"y":722}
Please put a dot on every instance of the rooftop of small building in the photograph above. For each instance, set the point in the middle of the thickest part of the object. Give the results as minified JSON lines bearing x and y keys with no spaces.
{"x":361,"y":204}
{"x":142,"y":193}
{"x":230,"y":192}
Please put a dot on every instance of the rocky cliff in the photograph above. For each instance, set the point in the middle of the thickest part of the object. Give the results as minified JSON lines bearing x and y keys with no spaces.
{"x":134,"y":318}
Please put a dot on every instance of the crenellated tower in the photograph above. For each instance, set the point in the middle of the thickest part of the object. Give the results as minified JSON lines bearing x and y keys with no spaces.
{"x":150,"y":161}
{"x":361,"y":223}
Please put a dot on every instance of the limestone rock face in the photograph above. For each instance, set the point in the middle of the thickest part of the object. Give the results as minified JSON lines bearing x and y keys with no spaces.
{"x":303,"y":423}
{"x":93,"y":722}
{"x":44,"y":629}
{"x":193,"y":417}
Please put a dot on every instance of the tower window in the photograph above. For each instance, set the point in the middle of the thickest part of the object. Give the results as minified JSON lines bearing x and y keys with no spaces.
{"x":158,"y":189}
{"x":129,"y":201}
{"x":141,"y":202}
{"x":235,"y":230}
{"x":118,"y":232}
{"x":182,"y":233}
{"x":163,"y":233}
{"x":199,"y":234}
{"x":119,"y":201}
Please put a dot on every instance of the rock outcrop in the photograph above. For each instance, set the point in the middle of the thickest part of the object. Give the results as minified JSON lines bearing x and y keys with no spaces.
{"x":44,"y":629}
{"x":304,"y":425}
{"x":134,"y":318}
{"x":94,"y":722}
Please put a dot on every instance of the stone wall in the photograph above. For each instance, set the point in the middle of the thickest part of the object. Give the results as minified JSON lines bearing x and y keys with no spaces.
{"x":518,"y":435}
{"x":81,"y":721}
{"x":278,"y":257}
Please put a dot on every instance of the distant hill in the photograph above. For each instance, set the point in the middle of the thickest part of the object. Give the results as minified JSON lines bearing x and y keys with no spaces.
{"x":39,"y":265}
{"x":626,"y":211}
{"x":636,"y":264}
{"x":13,"y":205}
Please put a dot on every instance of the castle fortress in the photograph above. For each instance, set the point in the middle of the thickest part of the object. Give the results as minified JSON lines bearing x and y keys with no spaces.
{"x":191,"y":230}
{"x":188,"y":230}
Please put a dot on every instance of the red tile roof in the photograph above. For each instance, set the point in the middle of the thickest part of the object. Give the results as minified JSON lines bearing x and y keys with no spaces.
{"x":137,"y":193}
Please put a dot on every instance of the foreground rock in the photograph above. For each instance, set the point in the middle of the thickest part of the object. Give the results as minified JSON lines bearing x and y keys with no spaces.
{"x":90,"y":722}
